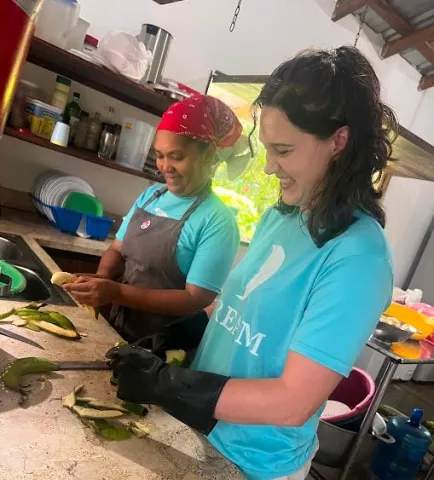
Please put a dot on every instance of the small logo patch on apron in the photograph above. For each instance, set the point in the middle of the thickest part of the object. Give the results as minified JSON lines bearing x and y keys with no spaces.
{"x":145,"y":225}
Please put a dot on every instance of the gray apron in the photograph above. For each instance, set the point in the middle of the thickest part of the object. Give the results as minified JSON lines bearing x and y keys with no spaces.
{"x":149,"y":250}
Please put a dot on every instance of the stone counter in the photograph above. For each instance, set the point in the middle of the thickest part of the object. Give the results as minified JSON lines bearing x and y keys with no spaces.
{"x":48,"y":236}
{"x":42,"y":440}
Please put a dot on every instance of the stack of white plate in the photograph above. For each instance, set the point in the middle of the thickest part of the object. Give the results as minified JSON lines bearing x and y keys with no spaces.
{"x":52,"y":188}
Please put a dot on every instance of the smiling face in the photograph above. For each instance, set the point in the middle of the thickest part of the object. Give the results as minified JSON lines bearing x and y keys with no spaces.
{"x":298,"y":159}
{"x":184,"y":163}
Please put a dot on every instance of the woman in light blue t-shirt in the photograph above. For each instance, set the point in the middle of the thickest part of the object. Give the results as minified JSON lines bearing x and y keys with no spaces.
{"x":177,"y":244}
{"x":294,"y":315}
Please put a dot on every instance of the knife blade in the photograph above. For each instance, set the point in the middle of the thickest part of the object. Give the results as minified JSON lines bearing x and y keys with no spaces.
{"x":78,"y":365}
{"x":20,"y":338}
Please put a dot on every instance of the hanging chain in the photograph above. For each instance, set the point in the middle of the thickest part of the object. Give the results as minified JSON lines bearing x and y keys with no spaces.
{"x":362,"y":22}
{"x":234,"y":20}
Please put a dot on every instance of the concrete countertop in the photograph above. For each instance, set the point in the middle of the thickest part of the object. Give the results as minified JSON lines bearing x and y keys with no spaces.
{"x":44,"y":441}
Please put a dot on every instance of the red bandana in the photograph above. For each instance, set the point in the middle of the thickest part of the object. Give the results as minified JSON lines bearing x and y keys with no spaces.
{"x":203,"y":118}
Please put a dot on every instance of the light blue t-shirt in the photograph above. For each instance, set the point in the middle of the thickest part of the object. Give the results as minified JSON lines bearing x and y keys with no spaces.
{"x":209,"y":239}
{"x":288,"y":295}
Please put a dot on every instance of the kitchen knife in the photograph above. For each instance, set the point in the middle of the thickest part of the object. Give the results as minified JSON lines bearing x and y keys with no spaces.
{"x":78,"y":365}
{"x":20,"y":338}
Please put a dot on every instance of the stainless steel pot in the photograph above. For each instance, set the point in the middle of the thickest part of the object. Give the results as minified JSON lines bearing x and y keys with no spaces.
{"x":335,"y":443}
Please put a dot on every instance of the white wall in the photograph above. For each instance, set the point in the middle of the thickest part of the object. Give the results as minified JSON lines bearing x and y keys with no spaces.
{"x":267,"y":33}
{"x":409,"y":207}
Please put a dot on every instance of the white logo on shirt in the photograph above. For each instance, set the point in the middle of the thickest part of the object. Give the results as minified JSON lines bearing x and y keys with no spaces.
{"x":268,"y":269}
{"x":232,"y":322}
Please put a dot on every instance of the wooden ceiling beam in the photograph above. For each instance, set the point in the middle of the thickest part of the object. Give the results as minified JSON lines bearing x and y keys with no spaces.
{"x":416,"y":40}
{"x":345,"y":7}
{"x":383,"y":9}
{"x":427,"y":81}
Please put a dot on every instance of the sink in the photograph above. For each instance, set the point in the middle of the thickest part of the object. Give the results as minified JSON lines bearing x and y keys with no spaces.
{"x":9,"y":250}
{"x":15,"y":251}
{"x":35,"y":291}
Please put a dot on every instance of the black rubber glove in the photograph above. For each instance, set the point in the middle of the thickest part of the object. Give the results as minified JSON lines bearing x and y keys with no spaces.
{"x":188,"y":395}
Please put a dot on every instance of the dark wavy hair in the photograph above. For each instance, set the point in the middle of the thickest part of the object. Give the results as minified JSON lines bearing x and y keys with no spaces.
{"x":320,"y":91}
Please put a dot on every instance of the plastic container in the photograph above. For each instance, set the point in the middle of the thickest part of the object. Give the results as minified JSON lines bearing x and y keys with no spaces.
{"x":56,"y":21}
{"x":134,"y":143}
{"x":60,"y":134}
{"x":90,"y":44}
{"x":16,"y":32}
{"x":61,"y":92}
{"x":356,"y":392}
{"x":25,"y":90}
{"x":69,"y":221}
{"x":402,"y":459}
{"x":42,"y":118}
{"x":77,"y":35}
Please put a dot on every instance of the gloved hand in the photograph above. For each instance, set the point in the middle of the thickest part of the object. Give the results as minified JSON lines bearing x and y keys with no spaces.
{"x":188,"y":395}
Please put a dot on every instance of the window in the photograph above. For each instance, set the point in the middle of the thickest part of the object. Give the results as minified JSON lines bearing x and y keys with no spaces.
{"x":253,"y":192}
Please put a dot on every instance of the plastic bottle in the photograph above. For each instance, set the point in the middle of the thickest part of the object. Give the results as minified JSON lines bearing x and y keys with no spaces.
{"x":401,"y":460}
{"x":60,"y":94}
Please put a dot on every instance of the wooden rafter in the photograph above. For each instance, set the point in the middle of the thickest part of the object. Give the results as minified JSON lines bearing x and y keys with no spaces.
{"x":385,"y":11}
{"x":427,"y":81}
{"x":416,"y":39}
{"x":345,"y":7}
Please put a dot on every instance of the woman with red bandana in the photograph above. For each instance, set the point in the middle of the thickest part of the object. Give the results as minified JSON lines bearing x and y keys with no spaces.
{"x":177,"y":244}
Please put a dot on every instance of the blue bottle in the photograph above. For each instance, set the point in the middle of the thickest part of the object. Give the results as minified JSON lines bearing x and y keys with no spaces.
{"x":401,"y":460}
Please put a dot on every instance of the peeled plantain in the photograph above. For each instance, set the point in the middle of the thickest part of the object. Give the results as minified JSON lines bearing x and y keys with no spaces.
{"x":62,"y":278}
{"x":52,"y":322}
{"x":14,"y":371}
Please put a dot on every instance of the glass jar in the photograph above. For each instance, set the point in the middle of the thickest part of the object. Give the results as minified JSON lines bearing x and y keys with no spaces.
{"x":18,"y":117}
{"x":81,"y":131}
{"x":93,"y":133}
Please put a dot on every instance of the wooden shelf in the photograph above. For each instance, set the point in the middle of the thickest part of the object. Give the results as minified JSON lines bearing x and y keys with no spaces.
{"x":99,"y":78}
{"x":80,"y":153}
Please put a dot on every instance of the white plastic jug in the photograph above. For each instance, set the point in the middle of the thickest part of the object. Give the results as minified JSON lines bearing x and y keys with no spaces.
{"x":134,"y":143}
{"x":56,"y":20}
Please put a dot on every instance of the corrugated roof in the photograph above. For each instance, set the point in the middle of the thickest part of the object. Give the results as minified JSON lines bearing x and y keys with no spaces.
{"x":419,"y":14}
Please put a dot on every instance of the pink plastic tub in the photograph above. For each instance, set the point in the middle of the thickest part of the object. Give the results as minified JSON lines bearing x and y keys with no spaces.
{"x":356,"y":391}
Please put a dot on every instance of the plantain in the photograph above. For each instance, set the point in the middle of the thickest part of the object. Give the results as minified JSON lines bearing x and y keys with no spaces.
{"x":62,"y":278}
{"x":14,"y":371}
{"x":99,"y":405}
{"x":32,"y":326}
{"x":93,"y":413}
{"x":70,"y":399}
{"x":110,"y":430}
{"x":175,"y":357}
{"x":139,"y":429}
{"x":52,"y":322}
{"x":136,"y":408}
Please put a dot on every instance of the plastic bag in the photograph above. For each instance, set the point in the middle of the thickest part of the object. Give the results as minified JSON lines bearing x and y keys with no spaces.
{"x":124,"y":54}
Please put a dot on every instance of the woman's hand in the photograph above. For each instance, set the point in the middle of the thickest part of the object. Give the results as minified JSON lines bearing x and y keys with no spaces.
{"x":94,"y":291}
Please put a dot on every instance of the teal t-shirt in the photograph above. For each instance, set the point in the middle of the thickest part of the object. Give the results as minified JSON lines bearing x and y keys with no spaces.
{"x":289,"y":295}
{"x":209,"y":239}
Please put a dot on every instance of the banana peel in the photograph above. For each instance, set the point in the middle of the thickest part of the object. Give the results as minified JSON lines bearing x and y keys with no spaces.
{"x":62,"y":278}
{"x":14,"y":371}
